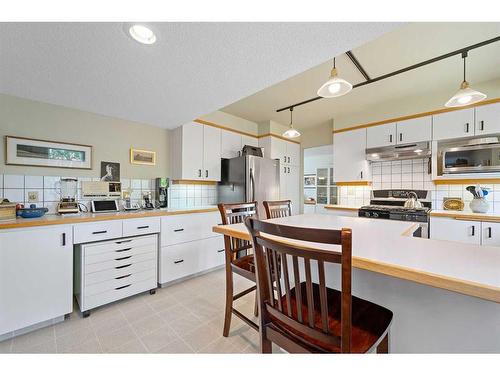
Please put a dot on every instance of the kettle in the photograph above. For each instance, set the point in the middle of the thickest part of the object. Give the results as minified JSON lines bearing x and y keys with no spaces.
{"x":412,"y":202}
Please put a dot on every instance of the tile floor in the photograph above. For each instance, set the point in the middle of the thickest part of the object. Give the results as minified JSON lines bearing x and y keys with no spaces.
{"x":182,"y":318}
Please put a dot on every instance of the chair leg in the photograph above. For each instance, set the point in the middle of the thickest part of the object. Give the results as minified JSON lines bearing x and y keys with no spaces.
{"x":256,"y":308}
{"x":266,"y":346}
{"x":383,"y":347}
{"x":229,"y":303}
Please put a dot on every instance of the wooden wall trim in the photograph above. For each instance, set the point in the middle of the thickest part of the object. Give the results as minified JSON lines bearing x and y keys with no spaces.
{"x":417,"y":115}
{"x":278,"y":136}
{"x":353,"y":183}
{"x":463,"y":181}
{"x":204,"y":122}
{"x":194,"y":182}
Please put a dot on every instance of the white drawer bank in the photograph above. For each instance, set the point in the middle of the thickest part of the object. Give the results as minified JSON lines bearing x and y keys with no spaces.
{"x":188,"y":246}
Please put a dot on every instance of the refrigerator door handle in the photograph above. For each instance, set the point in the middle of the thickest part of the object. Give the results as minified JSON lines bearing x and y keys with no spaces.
{"x":252,"y":185}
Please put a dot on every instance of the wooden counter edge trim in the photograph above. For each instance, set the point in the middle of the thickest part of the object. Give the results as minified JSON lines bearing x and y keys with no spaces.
{"x":456,"y":216}
{"x":469,"y":288}
{"x":416,"y":115}
{"x":463,"y":181}
{"x":213,"y":124}
{"x":194,"y":182}
{"x":353,"y":183}
{"x":340,"y":208}
{"x":76,"y":220}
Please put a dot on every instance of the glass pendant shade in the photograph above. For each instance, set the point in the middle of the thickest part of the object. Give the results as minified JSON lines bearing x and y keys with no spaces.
{"x":465,"y":96}
{"x":291,"y":133}
{"x":334,"y":87}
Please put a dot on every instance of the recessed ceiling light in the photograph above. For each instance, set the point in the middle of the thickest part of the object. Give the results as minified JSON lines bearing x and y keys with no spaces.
{"x":142,"y":34}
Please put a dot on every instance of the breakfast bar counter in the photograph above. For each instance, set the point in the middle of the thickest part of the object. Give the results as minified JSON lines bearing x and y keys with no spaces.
{"x":437,"y":289}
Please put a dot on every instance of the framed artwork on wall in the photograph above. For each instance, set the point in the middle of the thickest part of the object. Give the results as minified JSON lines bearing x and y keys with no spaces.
{"x":142,"y":157}
{"x":42,"y":153}
{"x":110,"y":171}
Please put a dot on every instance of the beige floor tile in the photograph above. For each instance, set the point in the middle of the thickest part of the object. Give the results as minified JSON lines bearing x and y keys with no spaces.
{"x":140,"y":312}
{"x":134,"y":346}
{"x":163,"y":303}
{"x":91,"y":346}
{"x":159,"y":338}
{"x":70,"y":325}
{"x":176,"y":347}
{"x":29,"y":340}
{"x":5,"y":346}
{"x":46,"y":347}
{"x":104,"y":314}
{"x":186,"y":323}
{"x":173,"y":313}
{"x":200,"y":337}
{"x":75,"y":338}
{"x":111,"y":323}
{"x":111,"y":340}
{"x":147,"y":325}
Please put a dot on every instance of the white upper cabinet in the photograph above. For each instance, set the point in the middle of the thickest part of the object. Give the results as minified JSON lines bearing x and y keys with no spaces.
{"x":414,"y":130}
{"x":230,"y":144}
{"x":488,"y":119}
{"x":196,"y":152}
{"x":381,"y":135}
{"x":349,"y":156}
{"x":276,"y":148}
{"x":454,"y":124}
{"x":293,"y":153}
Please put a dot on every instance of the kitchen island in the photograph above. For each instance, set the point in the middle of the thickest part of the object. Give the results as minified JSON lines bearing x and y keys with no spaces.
{"x":438,"y":290}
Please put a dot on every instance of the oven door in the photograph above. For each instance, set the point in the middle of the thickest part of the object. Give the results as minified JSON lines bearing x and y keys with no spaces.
{"x":472,"y":159}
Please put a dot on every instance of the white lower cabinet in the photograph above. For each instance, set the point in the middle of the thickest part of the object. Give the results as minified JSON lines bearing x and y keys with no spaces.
{"x":111,"y":270}
{"x":35,"y":276}
{"x":466,"y":231}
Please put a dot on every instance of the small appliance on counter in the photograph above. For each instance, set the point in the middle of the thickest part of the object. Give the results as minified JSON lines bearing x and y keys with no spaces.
{"x":127,"y":204}
{"x":32,"y":212}
{"x":68,"y":191}
{"x":104,"y":205}
{"x":161,"y":188}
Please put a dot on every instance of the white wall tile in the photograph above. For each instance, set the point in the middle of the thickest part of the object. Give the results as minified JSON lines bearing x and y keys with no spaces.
{"x":13,"y":181}
{"x":135,"y":184}
{"x":14,"y":195}
{"x":33,"y":182}
{"x":51,"y":195}
{"x":51,"y":182}
{"x":1,"y":181}
{"x":146,"y":184}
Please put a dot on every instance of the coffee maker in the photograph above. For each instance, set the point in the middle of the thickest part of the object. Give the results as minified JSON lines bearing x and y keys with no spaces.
{"x":161,"y":188}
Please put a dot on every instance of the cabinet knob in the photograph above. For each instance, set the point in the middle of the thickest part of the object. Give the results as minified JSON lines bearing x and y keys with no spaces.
{"x":400,"y":137}
{"x":206,"y":173}
{"x":390,"y":138}
{"x":199,"y":172}
{"x":473,"y":233}
{"x":489,"y":232}
{"x":467,"y":127}
{"x":481,"y":127}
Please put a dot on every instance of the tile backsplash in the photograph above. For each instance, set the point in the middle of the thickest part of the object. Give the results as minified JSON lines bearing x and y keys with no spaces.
{"x":44,"y":191}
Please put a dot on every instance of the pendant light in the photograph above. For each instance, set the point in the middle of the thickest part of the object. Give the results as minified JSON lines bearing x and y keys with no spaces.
{"x":335,"y":86}
{"x":291,"y":133}
{"x":466,"y":95}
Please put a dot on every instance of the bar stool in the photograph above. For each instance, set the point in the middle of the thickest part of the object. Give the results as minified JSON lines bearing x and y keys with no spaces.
{"x":276,"y":209}
{"x":302,"y":316}
{"x":239,"y":259}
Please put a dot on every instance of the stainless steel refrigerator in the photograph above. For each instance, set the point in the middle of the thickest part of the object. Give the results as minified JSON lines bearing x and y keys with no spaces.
{"x":249,"y":178}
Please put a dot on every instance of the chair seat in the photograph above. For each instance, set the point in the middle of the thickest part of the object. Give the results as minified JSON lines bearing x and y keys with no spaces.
{"x":244,"y":266}
{"x":370,"y":321}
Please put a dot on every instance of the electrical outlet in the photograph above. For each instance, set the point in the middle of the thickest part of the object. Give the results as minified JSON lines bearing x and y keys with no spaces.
{"x":32,"y":196}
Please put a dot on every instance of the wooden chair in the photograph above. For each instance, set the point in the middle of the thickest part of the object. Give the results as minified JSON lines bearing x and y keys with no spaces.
{"x":276,"y":209}
{"x":239,"y":259}
{"x":302,"y":316}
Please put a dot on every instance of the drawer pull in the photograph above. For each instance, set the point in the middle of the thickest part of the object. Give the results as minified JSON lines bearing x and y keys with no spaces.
{"x":178,"y":261}
{"x":123,"y":277}
{"x":124,"y":241}
{"x":127,"y":249}
{"x":123,"y":258}
{"x":100,"y":232}
{"x":121,"y":287}
{"x":179,"y":230}
{"x":125,"y":266}
{"x":220,"y":251}
{"x":143,"y":227}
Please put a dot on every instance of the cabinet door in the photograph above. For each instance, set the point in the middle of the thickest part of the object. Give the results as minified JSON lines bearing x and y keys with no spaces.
{"x":36,"y":276}
{"x":283,"y":182}
{"x":453,"y":124}
{"x":278,"y":150}
{"x":293,"y":187}
{"x":192,"y":151}
{"x":381,"y":135}
{"x":230,"y":144}
{"x":490,"y":234}
{"x":211,"y":153}
{"x":455,"y":230}
{"x":488,"y":119}
{"x":292,"y":153}
{"x":250,"y":141}
{"x":414,"y":130}
{"x":349,"y":161}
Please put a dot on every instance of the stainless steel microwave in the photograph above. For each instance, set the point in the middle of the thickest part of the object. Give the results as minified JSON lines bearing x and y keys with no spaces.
{"x":475,"y":156}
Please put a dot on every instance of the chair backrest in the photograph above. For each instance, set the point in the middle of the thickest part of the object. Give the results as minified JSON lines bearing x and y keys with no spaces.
{"x":276,"y":209}
{"x":234,"y":213}
{"x":270,"y":251}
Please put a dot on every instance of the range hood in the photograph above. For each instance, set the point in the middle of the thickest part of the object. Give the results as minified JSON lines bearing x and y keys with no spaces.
{"x":418,"y":150}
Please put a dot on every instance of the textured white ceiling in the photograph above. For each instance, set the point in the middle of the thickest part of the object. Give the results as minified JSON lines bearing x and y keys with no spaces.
{"x":193,"y":69}
{"x":407,"y":45}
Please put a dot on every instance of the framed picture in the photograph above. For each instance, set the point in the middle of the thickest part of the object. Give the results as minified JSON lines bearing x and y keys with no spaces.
{"x":142,"y":157}
{"x":110,"y":171}
{"x":310,"y":181}
{"x":42,"y":153}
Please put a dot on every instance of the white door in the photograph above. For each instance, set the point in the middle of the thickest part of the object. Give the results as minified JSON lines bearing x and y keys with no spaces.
{"x":490,"y":234}
{"x":293,"y":187}
{"x":488,"y":119}
{"x":455,"y":230}
{"x":250,"y":141}
{"x":349,"y":156}
{"x":453,"y":124}
{"x":211,"y":153}
{"x":230,"y":144}
{"x":292,"y":153}
{"x":36,"y":276}
{"x":414,"y":130}
{"x":381,"y":135}
{"x":192,"y":151}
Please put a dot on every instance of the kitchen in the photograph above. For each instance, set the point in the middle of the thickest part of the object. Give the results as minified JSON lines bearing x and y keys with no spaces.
{"x":128,"y":253}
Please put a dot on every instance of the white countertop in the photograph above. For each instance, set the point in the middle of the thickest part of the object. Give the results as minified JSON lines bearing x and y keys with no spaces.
{"x":385,"y":243}
{"x":466,"y":214}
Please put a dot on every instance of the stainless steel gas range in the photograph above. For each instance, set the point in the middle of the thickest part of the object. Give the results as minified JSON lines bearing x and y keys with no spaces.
{"x":390,"y":204}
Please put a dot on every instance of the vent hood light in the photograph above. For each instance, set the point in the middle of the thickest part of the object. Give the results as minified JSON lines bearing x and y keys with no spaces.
{"x":400,"y":152}
{"x":142,"y":34}
{"x":291,"y":133}
{"x":335,"y":86}
{"x":466,"y":95}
